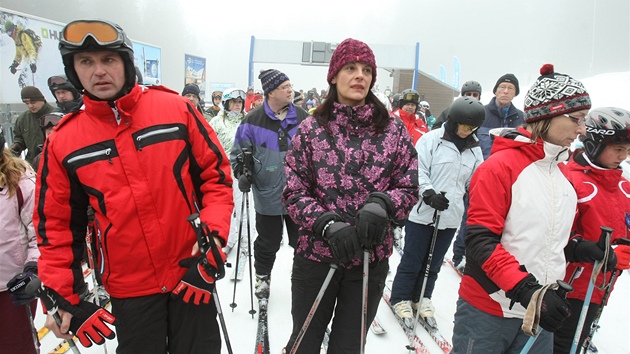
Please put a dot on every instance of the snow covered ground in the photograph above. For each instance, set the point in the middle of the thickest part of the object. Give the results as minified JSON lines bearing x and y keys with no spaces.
{"x":612,"y":338}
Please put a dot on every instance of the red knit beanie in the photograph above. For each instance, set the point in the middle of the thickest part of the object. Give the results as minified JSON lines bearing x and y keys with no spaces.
{"x":351,"y":51}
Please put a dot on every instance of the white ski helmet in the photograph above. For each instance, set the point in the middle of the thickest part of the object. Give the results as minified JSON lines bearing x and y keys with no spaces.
{"x":425,"y":104}
{"x":604,"y":126}
{"x":233,"y":93}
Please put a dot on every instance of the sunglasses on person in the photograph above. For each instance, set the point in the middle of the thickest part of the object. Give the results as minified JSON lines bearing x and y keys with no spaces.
{"x":103,"y":32}
{"x":468,"y":128}
{"x":216,"y":96}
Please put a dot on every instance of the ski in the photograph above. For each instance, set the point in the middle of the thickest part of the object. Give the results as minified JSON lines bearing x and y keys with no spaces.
{"x":240,"y":266}
{"x":376,"y":327}
{"x":418,"y":346}
{"x":434,"y":332}
{"x":324,"y":349}
{"x":262,"y":334}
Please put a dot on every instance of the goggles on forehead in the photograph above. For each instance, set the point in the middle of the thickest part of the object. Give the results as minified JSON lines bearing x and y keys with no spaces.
{"x":103,"y":32}
{"x":56,"y":80}
{"x":412,"y":97}
{"x":51,"y":120}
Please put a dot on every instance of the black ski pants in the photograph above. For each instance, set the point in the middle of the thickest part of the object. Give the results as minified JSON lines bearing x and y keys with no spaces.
{"x":267,"y":244}
{"x":563,"y":338}
{"x":164,"y":324}
{"x":343,"y":298}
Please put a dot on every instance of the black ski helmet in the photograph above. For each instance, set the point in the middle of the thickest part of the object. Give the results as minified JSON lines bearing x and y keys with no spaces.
{"x":409,"y":96}
{"x":467,"y":110}
{"x":60,"y":82}
{"x":96,"y":35}
{"x":396,"y":99}
{"x":604,"y":126}
{"x":471,"y":86}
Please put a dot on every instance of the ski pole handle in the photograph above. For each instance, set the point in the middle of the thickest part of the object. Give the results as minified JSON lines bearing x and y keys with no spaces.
{"x":563,"y":288}
{"x":604,"y":237}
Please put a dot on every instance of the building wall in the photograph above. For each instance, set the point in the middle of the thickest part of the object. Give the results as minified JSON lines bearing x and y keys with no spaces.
{"x":438,"y":94}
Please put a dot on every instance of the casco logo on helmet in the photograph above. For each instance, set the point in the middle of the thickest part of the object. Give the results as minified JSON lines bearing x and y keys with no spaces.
{"x":600,"y":131}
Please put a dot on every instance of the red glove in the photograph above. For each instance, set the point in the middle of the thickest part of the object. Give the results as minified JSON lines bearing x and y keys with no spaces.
{"x":623,"y":257}
{"x":198,"y":283}
{"x":88,"y":323}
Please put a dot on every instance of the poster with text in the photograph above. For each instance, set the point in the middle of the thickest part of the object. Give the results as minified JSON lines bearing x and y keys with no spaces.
{"x":29,"y":55}
{"x":149,"y":60}
{"x":195,"y":72}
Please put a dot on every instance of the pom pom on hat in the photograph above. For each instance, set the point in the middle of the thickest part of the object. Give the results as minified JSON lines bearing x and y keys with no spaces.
{"x":271,"y":79}
{"x":351,"y":51}
{"x":554,"y":94}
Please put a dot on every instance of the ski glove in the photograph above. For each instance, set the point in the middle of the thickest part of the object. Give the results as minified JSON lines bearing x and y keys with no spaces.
{"x":623,"y":257}
{"x":343,"y":240}
{"x":244,"y":183}
{"x":17,"y":285}
{"x":372,"y":224}
{"x":579,"y":250}
{"x":554,"y":309}
{"x":434,"y":200}
{"x":13,"y":67}
{"x":197,"y":285}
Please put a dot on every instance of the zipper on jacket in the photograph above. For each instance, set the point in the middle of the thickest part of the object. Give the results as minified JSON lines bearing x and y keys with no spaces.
{"x":153,"y":133}
{"x":106,"y":152}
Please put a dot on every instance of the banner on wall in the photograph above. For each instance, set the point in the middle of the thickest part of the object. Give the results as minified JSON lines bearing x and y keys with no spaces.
{"x":32,"y":62}
{"x":195,"y":72}
{"x":149,"y":60}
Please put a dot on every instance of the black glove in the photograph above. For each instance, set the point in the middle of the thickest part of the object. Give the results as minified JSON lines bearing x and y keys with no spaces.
{"x":197,"y":284}
{"x":372,"y":224}
{"x":33,"y":68}
{"x":17,"y":285}
{"x":579,"y":250}
{"x":13,"y":67}
{"x":344,"y":241}
{"x":434,"y":200}
{"x":554,"y":309}
{"x":244,"y":183}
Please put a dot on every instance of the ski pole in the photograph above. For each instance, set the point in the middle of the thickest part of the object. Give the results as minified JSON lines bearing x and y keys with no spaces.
{"x":364,"y":300}
{"x":613,"y":277}
{"x":238,"y":254}
{"x":427,"y":268}
{"x":36,"y":288}
{"x":29,"y":312}
{"x":217,"y":303}
{"x":311,"y":313}
{"x":562,"y":289}
{"x":249,"y":255}
{"x":604,"y":238}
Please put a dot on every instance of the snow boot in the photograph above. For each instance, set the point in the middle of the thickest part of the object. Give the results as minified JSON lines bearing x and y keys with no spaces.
{"x":404,"y":311}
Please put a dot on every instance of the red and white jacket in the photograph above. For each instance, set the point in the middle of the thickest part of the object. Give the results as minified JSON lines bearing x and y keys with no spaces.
{"x":415,"y":124}
{"x":143,"y":176}
{"x":519,"y":221}
{"x":603,"y":200}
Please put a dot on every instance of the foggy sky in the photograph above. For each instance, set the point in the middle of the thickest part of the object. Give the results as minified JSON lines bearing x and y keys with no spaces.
{"x":491,"y":37}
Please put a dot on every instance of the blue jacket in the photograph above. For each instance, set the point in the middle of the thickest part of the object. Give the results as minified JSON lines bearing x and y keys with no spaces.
{"x":495,"y":119}
{"x":269,"y":139}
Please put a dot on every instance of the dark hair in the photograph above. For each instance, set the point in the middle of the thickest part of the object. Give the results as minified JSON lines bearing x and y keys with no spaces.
{"x":324,"y":112}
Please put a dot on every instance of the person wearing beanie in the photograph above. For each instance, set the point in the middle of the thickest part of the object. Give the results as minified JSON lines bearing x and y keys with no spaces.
{"x":67,"y":96}
{"x":257,"y":100}
{"x":352,"y":175}
{"x":298,"y":99}
{"x":500,"y":112}
{"x":26,"y":132}
{"x":193,"y":94}
{"x":520,"y":219}
{"x":596,"y":168}
{"x":145,"y":159}
{"x":267,"y":132}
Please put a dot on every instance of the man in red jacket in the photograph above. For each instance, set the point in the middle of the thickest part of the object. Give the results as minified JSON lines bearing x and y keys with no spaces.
{"x":145,"y":159}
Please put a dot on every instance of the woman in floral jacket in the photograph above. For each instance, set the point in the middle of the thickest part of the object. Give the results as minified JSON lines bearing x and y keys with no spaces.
{"x":352,"y":174}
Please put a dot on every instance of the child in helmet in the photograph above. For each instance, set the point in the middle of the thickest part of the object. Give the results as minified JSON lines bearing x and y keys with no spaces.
{"x":447,"y":158}
{"x":603,"y":200}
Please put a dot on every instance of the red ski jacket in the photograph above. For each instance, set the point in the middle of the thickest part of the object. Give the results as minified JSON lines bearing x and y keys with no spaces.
{"x":143,"y":175}
{"x":603,"y":200}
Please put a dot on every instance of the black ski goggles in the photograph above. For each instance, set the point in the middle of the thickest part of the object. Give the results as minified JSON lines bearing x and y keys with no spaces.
{"x":103,"y":32}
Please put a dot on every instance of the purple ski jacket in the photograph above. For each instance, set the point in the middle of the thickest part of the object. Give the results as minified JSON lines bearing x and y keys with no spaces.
{"x":337,"y":172}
